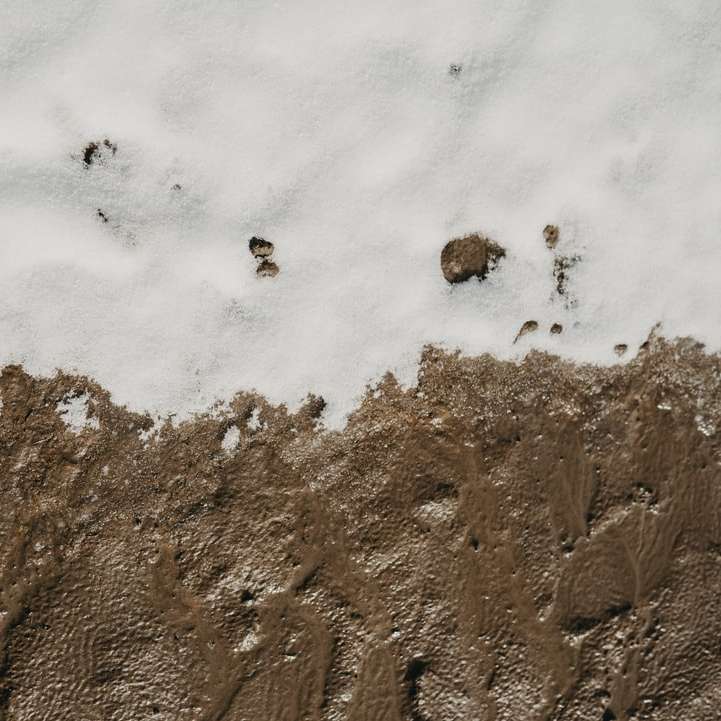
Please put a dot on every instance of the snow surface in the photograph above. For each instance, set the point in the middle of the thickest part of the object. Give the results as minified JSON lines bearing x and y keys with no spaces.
{"x":337,"y":131}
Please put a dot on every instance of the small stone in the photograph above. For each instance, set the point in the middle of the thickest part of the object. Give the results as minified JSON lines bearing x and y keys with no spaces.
{"x":550,"y":233}
{"x":260,"y":248}
{"x":455,"y":69}
{"x":267,"y":269}
{"x":556,"y":328}
{"x":528,"y":327}
{"x":620,"y":349}
{"x":472,"y":255}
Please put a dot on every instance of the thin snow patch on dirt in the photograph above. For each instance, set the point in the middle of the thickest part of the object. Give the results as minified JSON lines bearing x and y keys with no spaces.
{"x":254,"y":422}
{"x":75,"y":412}
{"x":230,"y":439}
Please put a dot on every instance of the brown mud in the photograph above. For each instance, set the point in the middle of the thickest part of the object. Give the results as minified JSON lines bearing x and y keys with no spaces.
{"x":503,"y":541}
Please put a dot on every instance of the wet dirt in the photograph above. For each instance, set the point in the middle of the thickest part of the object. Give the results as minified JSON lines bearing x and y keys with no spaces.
{"x":530,"y":326}
{"x":503,"y":541}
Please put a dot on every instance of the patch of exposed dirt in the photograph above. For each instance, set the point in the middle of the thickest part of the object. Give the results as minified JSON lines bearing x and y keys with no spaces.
{"x":562,"y":265}
{"x":503,"y":541}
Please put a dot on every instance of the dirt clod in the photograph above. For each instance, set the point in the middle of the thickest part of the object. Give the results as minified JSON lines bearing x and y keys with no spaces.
{"x":260,"y":247}
{"x":528,"y":327}
{"x":556,"y":328}
{"x":501,"y":541}
{"x":267,"y":269}
{"x":551,"y":235}
{"x":96,"y":151}
{"x":472,"y":255}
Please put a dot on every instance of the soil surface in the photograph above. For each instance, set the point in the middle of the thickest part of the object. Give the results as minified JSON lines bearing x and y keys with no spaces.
{"x":501,"y":542}
{"x":551,"y":236}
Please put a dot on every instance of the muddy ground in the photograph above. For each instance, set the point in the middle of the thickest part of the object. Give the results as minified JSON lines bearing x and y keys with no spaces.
{"x":503,"y":541}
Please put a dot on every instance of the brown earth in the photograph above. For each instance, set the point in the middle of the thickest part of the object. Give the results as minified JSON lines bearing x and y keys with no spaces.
{"x":503,"y":541}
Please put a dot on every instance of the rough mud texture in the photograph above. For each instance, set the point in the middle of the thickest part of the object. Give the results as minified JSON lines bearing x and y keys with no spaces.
{"x":534,"y":541}
{"x":472,"y":255}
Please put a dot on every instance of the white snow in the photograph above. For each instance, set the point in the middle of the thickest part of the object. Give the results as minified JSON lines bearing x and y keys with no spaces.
{"x":254,"y":423}
{"x":230,"y":439}
{"x":74,"y":412}
{"x":337,"y":131}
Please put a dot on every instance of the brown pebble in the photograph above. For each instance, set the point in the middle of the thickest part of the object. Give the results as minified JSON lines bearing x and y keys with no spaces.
{"x":472,"y":255}
{"x":556,"y":328}
{"x":550,"y":233}
{"x":620,"y":349}
{"x":260,"y":247}
{"x":267,"y":269}
{"x":528,"y":327}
